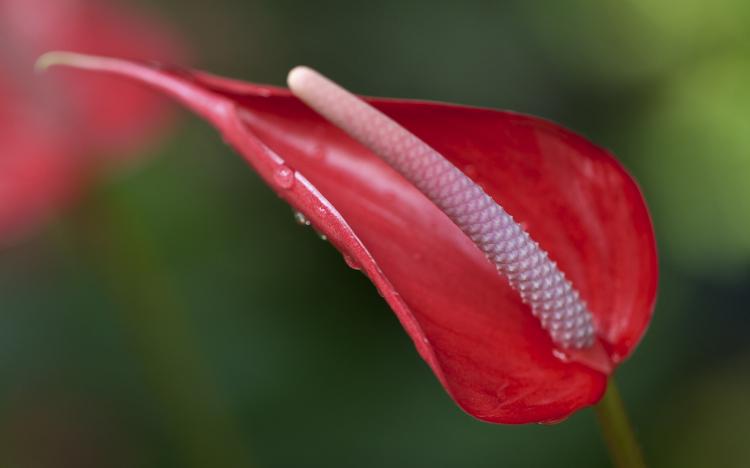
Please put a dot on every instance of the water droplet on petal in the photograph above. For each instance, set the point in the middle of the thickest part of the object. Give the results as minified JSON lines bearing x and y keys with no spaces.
{"x":322,"y":236}
{"x":351,"y":262}
{"x":284,"y":177}
{"x":301,"y":219}
{"x":561,"y":355}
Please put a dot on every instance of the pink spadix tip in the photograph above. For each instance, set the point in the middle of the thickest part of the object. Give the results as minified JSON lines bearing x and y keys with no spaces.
{"x":520,"y":259}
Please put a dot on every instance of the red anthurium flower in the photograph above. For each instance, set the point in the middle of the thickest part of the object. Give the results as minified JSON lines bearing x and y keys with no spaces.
{"x":518,"y":256}
{"x":56,"y":129}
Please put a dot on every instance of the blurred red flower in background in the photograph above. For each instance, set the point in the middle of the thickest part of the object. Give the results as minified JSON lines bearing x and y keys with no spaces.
{"x":57,"y":130}
{"x":466,"y":321}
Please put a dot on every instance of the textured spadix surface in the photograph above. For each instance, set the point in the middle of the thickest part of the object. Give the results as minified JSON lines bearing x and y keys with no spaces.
{"x":506,"y":244}
{"x":473,"y":329}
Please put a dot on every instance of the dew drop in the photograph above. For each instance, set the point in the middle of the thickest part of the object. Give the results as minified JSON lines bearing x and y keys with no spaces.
{"x":284,"y":177}
{"x":301,"y":219}
{"x":560,"y":355}
{"x":322,"y":236}
{"x":351,"y":262}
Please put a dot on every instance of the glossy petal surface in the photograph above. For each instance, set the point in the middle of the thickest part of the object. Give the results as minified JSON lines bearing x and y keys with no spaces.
{"x":478,"y":337}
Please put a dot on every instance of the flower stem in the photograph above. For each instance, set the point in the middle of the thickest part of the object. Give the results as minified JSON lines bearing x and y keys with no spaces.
{"x":617,"y":431}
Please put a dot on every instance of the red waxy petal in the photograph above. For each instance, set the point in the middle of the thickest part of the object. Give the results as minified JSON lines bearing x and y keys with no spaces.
{"x":481,"y":341}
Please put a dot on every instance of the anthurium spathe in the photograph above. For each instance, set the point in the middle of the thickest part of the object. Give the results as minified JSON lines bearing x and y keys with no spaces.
{"x":56,"y":130}
{"x":518,"y":256}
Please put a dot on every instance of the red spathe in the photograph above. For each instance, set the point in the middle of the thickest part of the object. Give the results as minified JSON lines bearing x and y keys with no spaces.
{"x":481,"y":341}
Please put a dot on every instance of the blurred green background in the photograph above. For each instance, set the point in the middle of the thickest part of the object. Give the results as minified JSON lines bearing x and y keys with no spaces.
{"x":267,"y":351}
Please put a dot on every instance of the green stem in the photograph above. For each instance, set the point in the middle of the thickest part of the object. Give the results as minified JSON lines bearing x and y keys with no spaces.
{"x":111,"y":238}
{"x":617,"y":431}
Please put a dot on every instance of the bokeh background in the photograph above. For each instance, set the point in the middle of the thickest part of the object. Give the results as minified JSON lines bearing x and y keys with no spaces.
{"x":178,"y":316}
